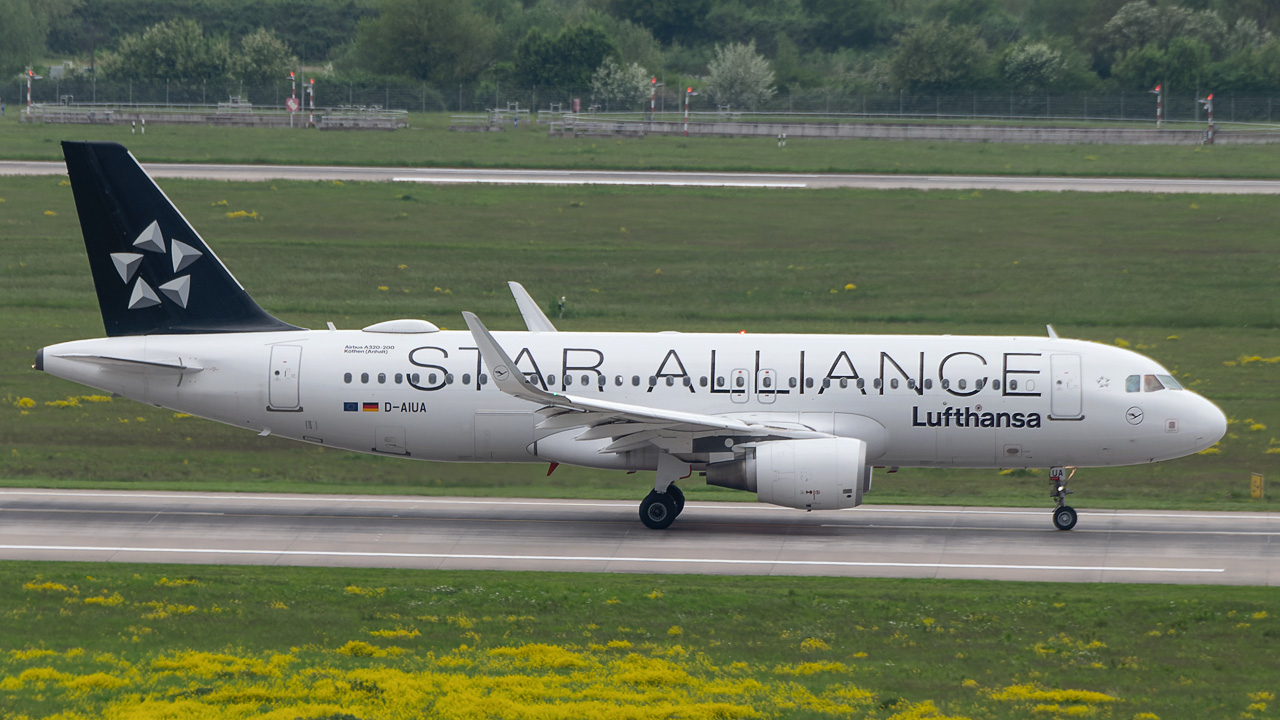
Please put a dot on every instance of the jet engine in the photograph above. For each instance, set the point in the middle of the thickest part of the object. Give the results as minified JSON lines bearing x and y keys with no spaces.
{"x":813,"y":474}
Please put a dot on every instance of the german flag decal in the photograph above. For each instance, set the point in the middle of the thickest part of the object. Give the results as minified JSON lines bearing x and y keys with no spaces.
{"x":370,"y":407}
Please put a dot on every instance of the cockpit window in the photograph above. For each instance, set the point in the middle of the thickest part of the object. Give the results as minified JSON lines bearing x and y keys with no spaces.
{"x":1169,"y":382}
{"x":1133,"y":383}
{"x":1151,"y":383}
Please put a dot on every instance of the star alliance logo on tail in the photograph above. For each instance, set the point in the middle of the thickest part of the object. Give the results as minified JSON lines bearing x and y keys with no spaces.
{"x":151,"y":240}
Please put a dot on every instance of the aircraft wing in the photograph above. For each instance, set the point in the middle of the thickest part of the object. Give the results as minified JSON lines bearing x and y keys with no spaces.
{"x":630,"y":425}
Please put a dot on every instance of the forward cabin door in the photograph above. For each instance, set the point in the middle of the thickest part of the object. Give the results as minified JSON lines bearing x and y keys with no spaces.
{"x":1065,"y":394}
{"x":282,"y":383}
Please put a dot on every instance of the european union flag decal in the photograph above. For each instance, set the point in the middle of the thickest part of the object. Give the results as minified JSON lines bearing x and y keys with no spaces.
{"x":350,"y":407}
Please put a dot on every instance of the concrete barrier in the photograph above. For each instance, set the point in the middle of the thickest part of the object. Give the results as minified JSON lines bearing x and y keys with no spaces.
{"x":945,"y":133}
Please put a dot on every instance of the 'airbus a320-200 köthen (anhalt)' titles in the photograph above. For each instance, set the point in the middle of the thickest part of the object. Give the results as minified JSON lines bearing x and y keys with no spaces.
{"x":800,"y":420}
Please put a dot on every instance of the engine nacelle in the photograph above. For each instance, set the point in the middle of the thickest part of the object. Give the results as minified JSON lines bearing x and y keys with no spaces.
{"x":815,"y":474}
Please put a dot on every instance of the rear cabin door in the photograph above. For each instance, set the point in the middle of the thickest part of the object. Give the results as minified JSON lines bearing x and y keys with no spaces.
{"x":282,"y":387}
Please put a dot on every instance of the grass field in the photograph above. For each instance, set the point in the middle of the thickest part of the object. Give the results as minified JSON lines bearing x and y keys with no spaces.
{"x":428,"y":143}
{"x":83,"y":640}
{"x":1190,"y":280}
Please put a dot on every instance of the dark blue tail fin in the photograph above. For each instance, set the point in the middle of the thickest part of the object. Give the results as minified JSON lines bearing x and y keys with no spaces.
{"x":153,"y":273}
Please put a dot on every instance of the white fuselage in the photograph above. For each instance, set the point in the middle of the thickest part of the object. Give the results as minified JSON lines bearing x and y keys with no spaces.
{"x":941,"y":401}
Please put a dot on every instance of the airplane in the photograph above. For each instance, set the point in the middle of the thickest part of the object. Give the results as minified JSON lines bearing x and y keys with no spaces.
{"x":800,"y":420}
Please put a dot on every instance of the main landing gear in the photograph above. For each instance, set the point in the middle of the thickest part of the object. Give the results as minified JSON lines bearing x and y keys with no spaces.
{"x":659,"y":509}
{"x":1064,"y":516}
{"x":665,"y":501}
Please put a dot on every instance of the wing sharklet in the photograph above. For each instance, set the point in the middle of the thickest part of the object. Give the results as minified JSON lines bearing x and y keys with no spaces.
{"x":534,"y":318}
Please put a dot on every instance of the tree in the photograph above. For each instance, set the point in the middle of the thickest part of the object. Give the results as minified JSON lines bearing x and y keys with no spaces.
{"x":567,"y":60}
{"x":622,"y":86}
{"x":1184,"y":66}
{"x":1138,"y":24}
{"x":437,"y":40}
{"x":840,"y":24}
{"x":1032,"y":66}
{"x":936,"y":57}
{"x":668,"y":20}
{"x":23,"y":26}
{"x":173,"y":50}
{"x":738,"y":75}
{"x":263,"y":57}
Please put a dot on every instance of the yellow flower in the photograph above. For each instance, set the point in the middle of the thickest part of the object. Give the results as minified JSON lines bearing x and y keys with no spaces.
{"x":850,"y":286}
{"x":50,"y":213}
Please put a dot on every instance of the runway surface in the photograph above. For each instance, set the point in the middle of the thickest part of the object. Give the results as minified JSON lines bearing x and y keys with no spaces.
{"x":606,"y":536}
{"x":686,"y":179}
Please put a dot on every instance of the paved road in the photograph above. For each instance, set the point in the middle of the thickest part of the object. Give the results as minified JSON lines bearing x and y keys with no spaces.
{"x":606,"y":536}
{"x":695,"y":179}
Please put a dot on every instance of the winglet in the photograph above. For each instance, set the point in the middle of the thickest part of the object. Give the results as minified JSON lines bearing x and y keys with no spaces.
{"x":502,"y":368}
{"x":534,"y":318}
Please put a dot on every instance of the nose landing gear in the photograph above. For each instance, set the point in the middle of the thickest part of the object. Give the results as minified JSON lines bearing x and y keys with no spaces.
{"x":1064,"y":516}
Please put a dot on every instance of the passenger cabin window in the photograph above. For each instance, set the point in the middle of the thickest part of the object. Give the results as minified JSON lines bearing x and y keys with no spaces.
{"x":382,"y":378}
{"x":364,"y":378}
{"x":347,"y":378}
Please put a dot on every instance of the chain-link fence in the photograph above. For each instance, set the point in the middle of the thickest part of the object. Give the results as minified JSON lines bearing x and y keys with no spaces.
{"x":1129,"y":106}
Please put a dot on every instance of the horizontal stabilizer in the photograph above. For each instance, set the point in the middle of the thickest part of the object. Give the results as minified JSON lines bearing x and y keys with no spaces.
{"x":174,"y":366}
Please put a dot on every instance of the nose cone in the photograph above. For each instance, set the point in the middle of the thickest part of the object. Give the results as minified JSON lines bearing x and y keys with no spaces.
{"x":1207,"y":424}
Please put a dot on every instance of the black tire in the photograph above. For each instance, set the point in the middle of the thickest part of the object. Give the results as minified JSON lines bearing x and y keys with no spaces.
{"x":678,"y":495}
{"x":658,"y":511}
{"x":1064,"y":518}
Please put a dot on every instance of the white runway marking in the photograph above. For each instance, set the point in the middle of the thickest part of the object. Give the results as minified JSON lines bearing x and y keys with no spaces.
{"x":516,"y":180}
{"x":606,"y":559}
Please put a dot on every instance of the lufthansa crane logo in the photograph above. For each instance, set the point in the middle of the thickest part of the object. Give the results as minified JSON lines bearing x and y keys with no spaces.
{"x":500,"y":372}
{"x":1133,"y":415}
{"x":151,"y":240}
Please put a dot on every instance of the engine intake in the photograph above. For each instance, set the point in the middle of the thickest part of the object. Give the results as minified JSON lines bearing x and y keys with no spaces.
{"x":814,"y":474}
